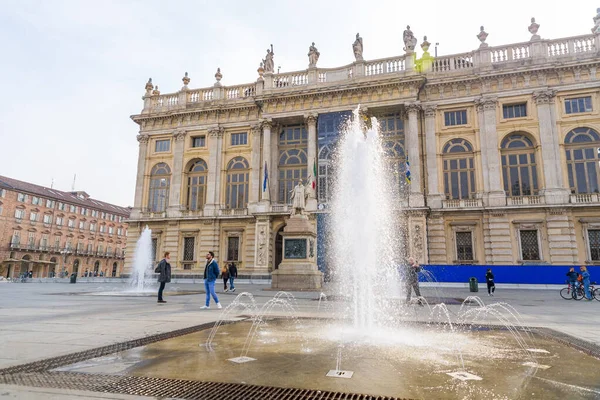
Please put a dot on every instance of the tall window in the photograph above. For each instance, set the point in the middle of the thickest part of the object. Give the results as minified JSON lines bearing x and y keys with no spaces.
{"x":578,"y":105}
{"x":19,"y":214}
{"x":293,"y":141}
{"x":199,"y":141}
{"x":162,"y":146}
{"x":452,"y":118}
{"x":514,"y":110}
{"x":582,"y":146}
{"x":459,"y":169}
{"x":239,"y":139}
{"x":154,"y":248}
{"x":197,"y":176}
{"x":530,"y":248}
{"x":237,"y":183}
{"x":392,"y":131}
{"x":188,"y":252}
{"x":31,"y":240}
{"x":233,"y":247}
{"x":158,"y":196}
{"x":325,"y":174}
{"x":594,"y":244}
{"x":519,"y":169}
{"x":464,"y":246}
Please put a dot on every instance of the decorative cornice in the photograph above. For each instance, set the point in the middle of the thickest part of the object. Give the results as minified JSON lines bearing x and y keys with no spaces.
{"x":545,"y":96}
{"x":486,"y":103}
{"x":143,"y":138}
{"x":179,"y":134}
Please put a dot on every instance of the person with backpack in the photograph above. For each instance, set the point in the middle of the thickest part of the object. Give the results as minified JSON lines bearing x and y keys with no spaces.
{"x":232,"y":276}
{"x":585,"y":275}
{"x":225,"y":276}
{"x":489,"y":279}
{"x":164,"y":275}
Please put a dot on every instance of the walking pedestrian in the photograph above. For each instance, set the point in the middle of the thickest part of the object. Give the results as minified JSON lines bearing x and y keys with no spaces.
{"x":586,"y":282}
{"x":225,"y":276}
{"x":164,"y":275}
{"x":412,"y":279}
{"x":232,"y":276}
{"x":211,"y":273}
{"x":489,"y":278}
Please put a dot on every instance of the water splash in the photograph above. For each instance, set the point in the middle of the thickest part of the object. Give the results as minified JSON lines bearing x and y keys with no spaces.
{"x":142,"y":263}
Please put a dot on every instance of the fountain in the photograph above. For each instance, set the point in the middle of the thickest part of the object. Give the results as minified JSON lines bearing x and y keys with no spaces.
{"x":142,"y":263}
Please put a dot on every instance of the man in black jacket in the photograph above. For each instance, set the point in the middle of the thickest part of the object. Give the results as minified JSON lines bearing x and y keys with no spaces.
{"x":164,"y":271}
{"x":232,"y":276}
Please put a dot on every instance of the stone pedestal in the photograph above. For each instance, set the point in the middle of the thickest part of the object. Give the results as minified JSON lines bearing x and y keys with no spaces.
{"x":298,"y":269}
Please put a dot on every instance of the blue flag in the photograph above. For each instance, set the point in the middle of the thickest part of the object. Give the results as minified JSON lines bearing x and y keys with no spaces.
{"x":266,"y":177}
{"x":407,"y":174}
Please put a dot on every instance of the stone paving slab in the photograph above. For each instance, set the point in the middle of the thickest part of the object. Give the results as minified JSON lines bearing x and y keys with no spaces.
{"x":20,"y":392}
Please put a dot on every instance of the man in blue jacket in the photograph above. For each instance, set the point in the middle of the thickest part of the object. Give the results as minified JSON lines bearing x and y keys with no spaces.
{"x":211,"y":273}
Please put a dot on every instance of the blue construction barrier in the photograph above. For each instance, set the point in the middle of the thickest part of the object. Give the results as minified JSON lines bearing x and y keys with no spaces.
{"x":517,"y":274}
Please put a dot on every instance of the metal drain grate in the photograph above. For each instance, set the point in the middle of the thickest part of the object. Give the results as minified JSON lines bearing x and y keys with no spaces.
{"x":175,"y":388}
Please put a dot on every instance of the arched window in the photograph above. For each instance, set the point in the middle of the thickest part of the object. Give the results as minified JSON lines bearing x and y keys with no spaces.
{"x":519,"y":169}
{"x":158,"y":196}
{"x":292,"y":168}
{"x":391,"y":127}
{"x":196,"y":194}
{"x":237,"y":183}
{"x":582,"y":146}
{"x":325,"y":174}
{"x":459,"y":169}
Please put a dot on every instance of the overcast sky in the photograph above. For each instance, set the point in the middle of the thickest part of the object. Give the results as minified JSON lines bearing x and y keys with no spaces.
{"x":72,"y":72}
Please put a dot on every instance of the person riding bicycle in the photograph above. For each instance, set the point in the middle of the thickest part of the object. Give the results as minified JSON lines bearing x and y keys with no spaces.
{"x":572,"y":278}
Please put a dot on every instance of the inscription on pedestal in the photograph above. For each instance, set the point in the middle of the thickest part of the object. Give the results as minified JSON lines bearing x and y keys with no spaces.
{"x":294,"y":249}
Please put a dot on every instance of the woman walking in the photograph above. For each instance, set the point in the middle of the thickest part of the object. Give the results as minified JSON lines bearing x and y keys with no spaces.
{"x":225,"y":276}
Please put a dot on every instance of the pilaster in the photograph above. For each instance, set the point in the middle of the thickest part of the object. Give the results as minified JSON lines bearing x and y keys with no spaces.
{"x":562,"y":241}
{"x":554,"y":190}
{"x":175,"y":207}
{"x":262,"y":243}
{"x":490,"y":157}
{"x":267,"y":161}
{"x":412,"y":153}
{"x":255,"y":181}
{"x":143,"y":140}
{"x":437,"y":239}
{"x":215,"y":145}
{"x":434,"y":198}
{"x":311,"y":122}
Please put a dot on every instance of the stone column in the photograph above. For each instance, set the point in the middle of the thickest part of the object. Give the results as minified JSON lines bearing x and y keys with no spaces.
{"x":143,"y":139}
{"x":412,"y":153}
{"x":215,"y":143}
{"x":274,"y":167}
{"x":175,"y":206}
{"x":554,"y":189}
{"x":434,"y":197}
{"x":490,"y":156}
{"x":266,"y":158}
{"x":255,"y":178}
{"x":311,"y":122}
{"x":261,"y":251}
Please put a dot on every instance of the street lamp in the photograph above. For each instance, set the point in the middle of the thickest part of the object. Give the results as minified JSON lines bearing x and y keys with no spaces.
{"x":65,"y":253}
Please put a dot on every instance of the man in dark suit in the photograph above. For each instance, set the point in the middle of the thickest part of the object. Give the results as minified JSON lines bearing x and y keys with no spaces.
{"x":164,"y":271}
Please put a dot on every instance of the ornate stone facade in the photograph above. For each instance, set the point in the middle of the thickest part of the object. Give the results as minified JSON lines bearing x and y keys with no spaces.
{"x":496,"y":138}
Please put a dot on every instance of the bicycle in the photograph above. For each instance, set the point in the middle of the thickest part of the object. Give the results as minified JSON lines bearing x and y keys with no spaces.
{"x":579,"y":293}
{"x":567,"y":293}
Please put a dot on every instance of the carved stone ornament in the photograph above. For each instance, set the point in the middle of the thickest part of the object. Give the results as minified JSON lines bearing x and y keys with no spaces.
{"x":310,"y":119}
{"x":216,"y":132}
{"x":425,"y":45}
{"x":218,"y":75}
{"x":186,"y":80}
{"x":256,"y":129}
{"x":266,"y":123}
{"x":429,"y":110}
{"x":143,"y":138}
{"x":149,"y":86}
{"x":596,"y":28}
{"x":482,"y":35}
{"x":486,"y":103}
{"x":156,"y":92}
{"x":544,"y":96}
{"x":412,"y":107}
{"x":179,"y":135}
{"x":533,"y":29}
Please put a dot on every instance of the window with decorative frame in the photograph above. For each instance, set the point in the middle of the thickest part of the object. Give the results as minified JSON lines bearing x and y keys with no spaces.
{"x":199,"y":141}
{"x":188,"y":252}
{"x":582,"y":148}
{"x":236,"y":193}
{"x":529,"y":245}
{"x":197,"y":179}
{"x":293,"y":160}
{"x":233,"y":248}
{"x":154,"y":249}
{"x":514,"y":110}
{"x":239,"y":139}
{"x":325,"y":174}
{"x":593,"y":239}
{"x":578,"y":105}
{"x":453,"y":118}
{"x":162,"y":146}
{"x":519,"y":167}
{"x":158,"y":195}
{"x":459,"y":169}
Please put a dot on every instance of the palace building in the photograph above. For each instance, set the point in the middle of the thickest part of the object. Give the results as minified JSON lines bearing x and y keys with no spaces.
{"x":52,"y":233}
{"x":503,"y":144}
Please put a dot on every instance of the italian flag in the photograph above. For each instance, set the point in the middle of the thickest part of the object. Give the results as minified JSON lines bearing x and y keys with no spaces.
{"x":314,"y":180}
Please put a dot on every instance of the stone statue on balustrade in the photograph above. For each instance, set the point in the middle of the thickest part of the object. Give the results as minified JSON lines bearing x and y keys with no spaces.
{"x":299,"y":194}
{"x":596,"y":28}
{"x":268,"y":62}
{"x":410,"y":41}
{"x":357,"y":47}
{"x":313,"y":56}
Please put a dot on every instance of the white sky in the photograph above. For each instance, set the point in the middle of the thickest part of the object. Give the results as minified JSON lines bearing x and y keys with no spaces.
{"x":74,"y":71}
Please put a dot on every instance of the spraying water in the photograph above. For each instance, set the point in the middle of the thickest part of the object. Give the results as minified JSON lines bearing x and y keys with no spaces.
{"x":142,"y":262}
{"x":366,"y":243}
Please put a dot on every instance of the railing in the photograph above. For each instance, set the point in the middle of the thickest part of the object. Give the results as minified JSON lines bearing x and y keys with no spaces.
{"x":280,"y":208}
{"x":230,"y":212}
{"x":239,"y":92}
{"x":524,"y":200}
{"x":193,"y":213}
{"x":453,"y":63}
{"x":335,"y":74}
{"x":585,"y":198}
{"x":385,"y":66}
{"x":462,"y":203}
{"x":199,"y":95}
{"x":290,"y":79}
{"x":511,"y":52}
{"x":573,"y":45}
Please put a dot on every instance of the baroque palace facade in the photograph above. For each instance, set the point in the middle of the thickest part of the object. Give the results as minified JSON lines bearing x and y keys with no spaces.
{"x":503,"y":144}
{"x":52,"y":233}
